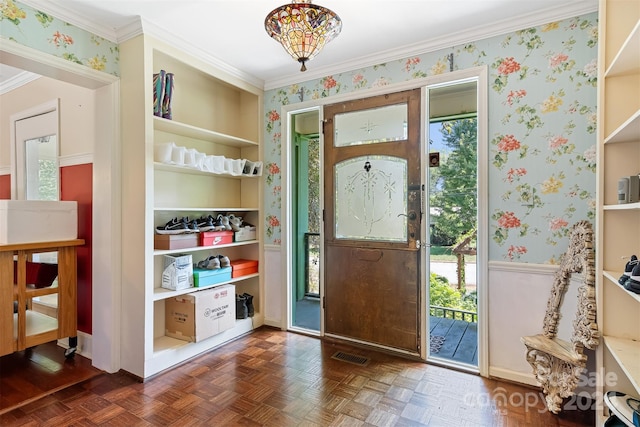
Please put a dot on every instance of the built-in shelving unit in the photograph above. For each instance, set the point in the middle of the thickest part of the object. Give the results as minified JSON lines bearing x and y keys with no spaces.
{"x":215,"y":114}
{"x":618,"y":234}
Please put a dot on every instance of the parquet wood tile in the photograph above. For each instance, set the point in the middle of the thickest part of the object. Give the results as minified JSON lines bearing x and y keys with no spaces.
{"x":274,"y":378}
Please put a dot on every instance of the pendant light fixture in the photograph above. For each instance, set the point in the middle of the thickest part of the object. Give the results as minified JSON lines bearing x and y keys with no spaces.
{"x":302,"y":28}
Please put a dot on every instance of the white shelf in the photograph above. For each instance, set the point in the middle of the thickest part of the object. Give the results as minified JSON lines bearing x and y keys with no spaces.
{"x":162,"y":293}
{"x":627,"y":354}
{"x":613,"y":277}
{"x":617,"y":103}
{"x":211,"y":209}
{"x":167,"y":350}
{"x":177,"y":128}
{"x":203,"y":248}
{"x":628,"y":58}
{"x":622,"y":207}
{"x":213,"y":115}
{"x":193,"y":171}
{"x":626,"y":132}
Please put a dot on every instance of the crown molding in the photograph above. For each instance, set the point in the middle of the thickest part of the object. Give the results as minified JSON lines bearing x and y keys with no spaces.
{"x":136,"y":27}
{"x":72,"y":17}
{"x":458,"y":38}
{"x":163,"y":35}
{"x":16,"y":81}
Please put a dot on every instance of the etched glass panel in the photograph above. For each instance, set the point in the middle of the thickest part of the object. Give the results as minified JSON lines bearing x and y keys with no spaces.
{"x":371,"y":199}
{"x":41,"y":168}
{"x":371,"y":126}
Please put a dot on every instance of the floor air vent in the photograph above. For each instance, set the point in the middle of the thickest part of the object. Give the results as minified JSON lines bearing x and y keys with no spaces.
{"x":351,"y":358}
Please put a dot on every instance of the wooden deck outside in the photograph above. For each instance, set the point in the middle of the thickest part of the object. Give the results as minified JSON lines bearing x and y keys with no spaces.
{"x":460,"y":339}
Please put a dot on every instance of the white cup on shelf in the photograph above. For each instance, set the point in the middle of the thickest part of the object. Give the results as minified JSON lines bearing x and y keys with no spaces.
{"x":234,"y":166}
{"x":177,"y":155}
{"x":214,"y":164}
{"x":200,"y":158}
{"x":162,"y":152}
{"x":190,"y":157}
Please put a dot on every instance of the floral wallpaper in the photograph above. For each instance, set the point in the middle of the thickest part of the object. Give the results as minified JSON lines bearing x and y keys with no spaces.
{"x":542,"y":131}
{"x":37,"y":30}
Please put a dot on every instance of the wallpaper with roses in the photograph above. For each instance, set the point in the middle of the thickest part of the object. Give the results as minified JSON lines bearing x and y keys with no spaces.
{"x":37,"y":30}
{"x":542,"y":131}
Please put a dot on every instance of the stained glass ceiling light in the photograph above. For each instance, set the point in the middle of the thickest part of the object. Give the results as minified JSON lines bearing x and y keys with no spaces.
{"x":302,"y":28}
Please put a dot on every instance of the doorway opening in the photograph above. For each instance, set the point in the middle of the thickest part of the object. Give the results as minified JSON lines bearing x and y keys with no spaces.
{"x":306,"y":221}
{"x":453,"y":223}
{"x":291,"y":113}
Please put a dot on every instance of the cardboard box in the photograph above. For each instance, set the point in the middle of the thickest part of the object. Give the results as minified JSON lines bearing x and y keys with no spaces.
{"x":215,"y":238}
{"x":245,"y":233}
{"x":28,"y":221}
{"x":243,"y":267}
{"x":199,"y":315}
{"x":175,"y":241}
{"x":205,"y":277}
{"x":177,"y":272}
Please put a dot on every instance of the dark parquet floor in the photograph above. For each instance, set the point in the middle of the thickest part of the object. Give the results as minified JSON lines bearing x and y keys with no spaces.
{"x":275,"y":378}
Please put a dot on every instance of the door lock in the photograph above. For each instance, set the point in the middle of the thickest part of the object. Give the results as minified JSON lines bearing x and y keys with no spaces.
{"x":412,"y":215}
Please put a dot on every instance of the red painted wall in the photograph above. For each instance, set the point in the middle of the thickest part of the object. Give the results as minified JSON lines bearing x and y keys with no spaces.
{"x":76,"y":183}
{"x":5,"y":187}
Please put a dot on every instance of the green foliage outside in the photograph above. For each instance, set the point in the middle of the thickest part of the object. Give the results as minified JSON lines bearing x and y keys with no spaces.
{"x":453,"y":185}
{"x":442,"y":294}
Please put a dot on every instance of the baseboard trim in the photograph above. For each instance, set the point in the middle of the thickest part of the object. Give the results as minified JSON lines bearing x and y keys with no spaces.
{"x":274,"y":323}
{"x":513,"y":376}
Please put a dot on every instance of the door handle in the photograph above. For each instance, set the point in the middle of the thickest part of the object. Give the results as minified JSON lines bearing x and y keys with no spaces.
{"x":412,"y":215}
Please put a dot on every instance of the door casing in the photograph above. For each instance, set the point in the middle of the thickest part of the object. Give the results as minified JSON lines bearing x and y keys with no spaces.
{"x":479,"y":73}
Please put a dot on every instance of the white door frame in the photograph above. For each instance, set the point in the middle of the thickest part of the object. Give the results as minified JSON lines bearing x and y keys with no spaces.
{"x":483,"y":157}
{"x":18,"y":185}
{"x":107,"y":240}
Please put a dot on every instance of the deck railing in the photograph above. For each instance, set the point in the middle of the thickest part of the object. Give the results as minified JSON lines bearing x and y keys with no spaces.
{"x":453,"y":313}
{"x":311,"y":262}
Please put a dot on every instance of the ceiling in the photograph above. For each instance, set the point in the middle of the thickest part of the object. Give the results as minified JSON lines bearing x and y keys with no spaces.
{"x":231,"y":32}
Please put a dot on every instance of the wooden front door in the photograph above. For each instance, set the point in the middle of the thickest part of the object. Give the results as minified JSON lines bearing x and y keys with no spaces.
{"x":372,"y":220}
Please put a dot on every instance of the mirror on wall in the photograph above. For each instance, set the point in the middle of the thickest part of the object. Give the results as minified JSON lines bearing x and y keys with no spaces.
{"x":35,"y":160}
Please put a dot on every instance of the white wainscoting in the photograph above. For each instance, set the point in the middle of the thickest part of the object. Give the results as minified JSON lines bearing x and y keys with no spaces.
{"x":518,"y":295}
{"x":275,"y":288}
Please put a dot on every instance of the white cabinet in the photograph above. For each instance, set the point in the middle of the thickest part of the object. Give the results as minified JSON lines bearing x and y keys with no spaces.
{"x":618,"y":234}
{"x":214,"y":114}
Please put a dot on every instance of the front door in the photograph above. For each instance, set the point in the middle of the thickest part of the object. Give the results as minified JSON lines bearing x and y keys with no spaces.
{"x":372,"y":220}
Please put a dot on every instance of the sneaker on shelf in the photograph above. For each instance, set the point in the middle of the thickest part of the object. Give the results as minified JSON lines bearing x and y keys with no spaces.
{"x":224,"y":220}
{"x":633,"y":282}
{"x":224,"y":261}
{"x":623,"y":406}
{"x":235,"y":222}
{"x":210,"y":263}
{"x":205,"y":223}
{"x":628,"y":268}
{"x":192,"y":225}
{"x":217,"y":223}
{"x":173,"y":227}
